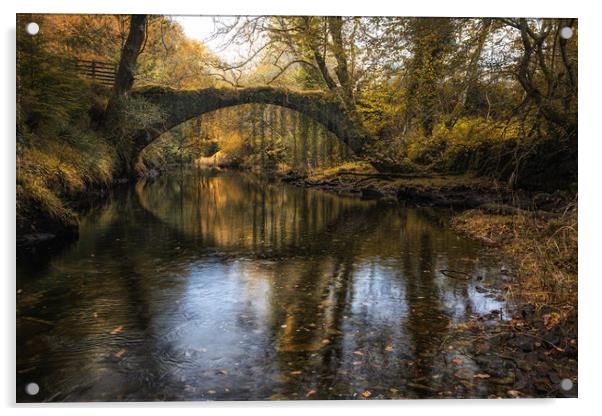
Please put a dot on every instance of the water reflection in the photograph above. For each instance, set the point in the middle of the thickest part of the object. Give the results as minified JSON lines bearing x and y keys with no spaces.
{"x":227,"y":286}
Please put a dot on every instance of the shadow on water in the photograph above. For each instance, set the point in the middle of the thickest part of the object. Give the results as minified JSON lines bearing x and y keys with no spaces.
{"x":228,"y":286}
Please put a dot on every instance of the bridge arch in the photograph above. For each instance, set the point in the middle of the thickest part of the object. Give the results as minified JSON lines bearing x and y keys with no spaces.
{"x":179,"y":106}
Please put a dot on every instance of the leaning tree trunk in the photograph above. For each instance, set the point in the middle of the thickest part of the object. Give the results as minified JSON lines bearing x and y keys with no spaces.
{"x":129,"y":55}
{"x":124,"y":80}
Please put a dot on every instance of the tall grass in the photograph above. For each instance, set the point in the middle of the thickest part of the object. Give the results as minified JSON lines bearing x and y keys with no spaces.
{"x":53,"y":171}
{"x":60,"y":156}
{"x":544,"y":252}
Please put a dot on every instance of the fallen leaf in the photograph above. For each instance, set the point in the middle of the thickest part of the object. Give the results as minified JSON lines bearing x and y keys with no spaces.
{"x":296,"y":372}
{"x":463,"y":374}
{"x":358,"y":353}
{"x":366,"y":393}
{"x":514,"y":393}
{"x":550,"y":320}
{"x":389,"y":348}
{"x":311,"y":393}
{"x":119,"y":353}
{"x":457,"y":361}
{"x":325,"y":341}
{"x":117,"y":330}
{"x":482,"y":375}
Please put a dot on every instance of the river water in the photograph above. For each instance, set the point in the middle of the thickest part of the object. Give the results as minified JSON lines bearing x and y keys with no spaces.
{"x":226,"y":286}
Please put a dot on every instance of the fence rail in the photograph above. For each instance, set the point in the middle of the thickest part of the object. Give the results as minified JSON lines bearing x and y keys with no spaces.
{"x":97,"y":71}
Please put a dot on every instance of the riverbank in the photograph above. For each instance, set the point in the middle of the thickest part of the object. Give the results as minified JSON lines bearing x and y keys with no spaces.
{"x":422,"y":189}
{"x":57,"y":179}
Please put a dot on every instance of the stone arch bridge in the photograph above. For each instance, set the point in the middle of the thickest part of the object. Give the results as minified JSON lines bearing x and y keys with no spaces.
{"x":179,"y":106}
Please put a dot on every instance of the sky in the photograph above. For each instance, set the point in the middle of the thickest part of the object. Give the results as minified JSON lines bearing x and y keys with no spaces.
{"x":201,"y":28}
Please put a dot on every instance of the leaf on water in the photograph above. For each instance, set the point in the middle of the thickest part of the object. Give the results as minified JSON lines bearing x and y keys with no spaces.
{"x":509,"y":379}
{"x":421,"y":387}
{"x":514,"y":393}
{"x":117,"y":330}
{"x":367,"y":393}
{"x":221,"y":371}
{"x":482,"y":376}
{"x":463,"y":374}
{"x":311,"y":393}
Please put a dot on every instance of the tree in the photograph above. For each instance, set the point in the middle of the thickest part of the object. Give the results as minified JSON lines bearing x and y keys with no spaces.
{"x":124,"y":79}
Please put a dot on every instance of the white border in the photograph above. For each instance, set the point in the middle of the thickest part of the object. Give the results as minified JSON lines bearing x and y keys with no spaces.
{"x":590,"y":170}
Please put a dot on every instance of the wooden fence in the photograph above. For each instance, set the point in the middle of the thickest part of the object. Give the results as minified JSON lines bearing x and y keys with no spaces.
{"x":97,"y":71}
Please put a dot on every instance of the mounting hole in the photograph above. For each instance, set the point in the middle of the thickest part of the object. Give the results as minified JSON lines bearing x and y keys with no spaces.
{"x":32,"y":389}
{"x":566,"y":384}
{"x":32,"y":28}
{"x":566,"y":33}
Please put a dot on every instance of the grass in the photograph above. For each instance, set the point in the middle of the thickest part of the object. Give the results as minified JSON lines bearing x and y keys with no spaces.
{"x":52,"y":172}
{"x":544,"y":252}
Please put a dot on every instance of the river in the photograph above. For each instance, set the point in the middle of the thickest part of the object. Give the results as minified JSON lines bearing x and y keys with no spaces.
{"x":227,"y":286}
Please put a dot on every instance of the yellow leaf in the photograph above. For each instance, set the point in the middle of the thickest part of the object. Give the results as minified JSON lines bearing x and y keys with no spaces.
{"x":117,"y":330}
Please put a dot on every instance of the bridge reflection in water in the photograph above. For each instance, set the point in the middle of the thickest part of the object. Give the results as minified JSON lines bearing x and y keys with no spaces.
{"x":228,"y":286}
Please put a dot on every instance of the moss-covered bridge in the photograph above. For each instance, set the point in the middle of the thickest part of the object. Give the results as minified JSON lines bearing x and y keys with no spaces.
{"x":179,"y":106}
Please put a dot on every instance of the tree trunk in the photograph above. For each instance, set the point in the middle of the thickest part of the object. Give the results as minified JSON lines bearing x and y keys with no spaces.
{"x":124,"y":80}
{"x":129,"y":55}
